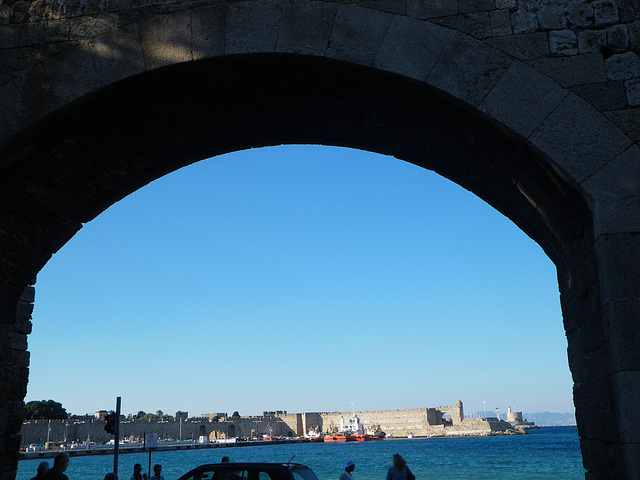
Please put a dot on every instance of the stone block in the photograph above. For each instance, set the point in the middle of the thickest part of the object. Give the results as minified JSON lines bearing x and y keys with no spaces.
{"x":614,"y":194}
{"x":629,"y":11}
{"x":72,"y":74}
{"x":5,"y":13}
{"x":25,"y":35}
{"x":634,"y":35}
{"x":411,"y":47}
{"x":623,"y":319}
{"x":166,"y":39}
{"x":573,"y":137}
{"x":18,"y":103}
{"x":208,"y":31}
{"x":603,"y":96}
{"x":601,"y":459}
{"x":591,"y":41}
{"x":306,"y":27}
{"x":618,"y":258}
{"x":117,"y":54}
{"x":28,"y":294}
{"x":618,"y":38}
{"x":427,"y":9}
{"x":91,"y":26}
{"x":252,"y":27}
{"x":632,"y":88}
{"x":628,"y":121}
{"x":589,"y":352}
{"x":526,"y":46}
{"x":477,"y":25}
{"x":522,"y":99}
{"x":563,"y":43}
{"x":587,"y":68}
{"x":580,"y":15}
{"x":357,"y":34}
{"x":390,"y":6}
{"x":468,"y":69}
{"x":631,"y":457}
{"x":594,"y":395}
{"x":500,"y":21}
{"x":605,"y":12}
{"x":508,"y":4}
{"x":524,"y":20}
{"x":468,"y":6}
{"x":626,"y":386}
{"x":558,"y":68}
{"x":597,"y":424}
{"x":18,"y":341}
{"x":552,"y":16}
{"x":624,"y":66}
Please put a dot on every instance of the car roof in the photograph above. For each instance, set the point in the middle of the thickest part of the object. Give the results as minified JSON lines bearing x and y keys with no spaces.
{"x":251,"y":464}
{"x":262,"y":466}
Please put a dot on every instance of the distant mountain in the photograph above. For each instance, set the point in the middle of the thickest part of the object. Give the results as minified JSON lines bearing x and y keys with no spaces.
{"x":549,"y":419}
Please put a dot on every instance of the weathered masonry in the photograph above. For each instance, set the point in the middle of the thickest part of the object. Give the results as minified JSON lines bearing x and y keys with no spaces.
{"x":532,"y":105}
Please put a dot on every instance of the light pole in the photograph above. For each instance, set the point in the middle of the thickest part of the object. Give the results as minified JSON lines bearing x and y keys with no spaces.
{"x":162,"y":428}
{"x":24,"y":437}
{"x":256,"y":422}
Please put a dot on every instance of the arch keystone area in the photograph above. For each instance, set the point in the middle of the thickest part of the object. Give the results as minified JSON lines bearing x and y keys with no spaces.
{"x":532,"y":106}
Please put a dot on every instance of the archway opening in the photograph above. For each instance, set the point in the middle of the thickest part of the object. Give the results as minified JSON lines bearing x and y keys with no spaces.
{"x":352,"y":106}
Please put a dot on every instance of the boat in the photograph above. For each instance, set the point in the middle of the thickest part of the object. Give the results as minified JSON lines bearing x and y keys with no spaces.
{"x":314,"y":435}
{"x":339,"y":437}
{"x":353,"y":430}
{"x":372,"y":433}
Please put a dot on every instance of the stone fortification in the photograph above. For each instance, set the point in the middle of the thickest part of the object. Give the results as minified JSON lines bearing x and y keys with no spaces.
{"x":419,"y":422}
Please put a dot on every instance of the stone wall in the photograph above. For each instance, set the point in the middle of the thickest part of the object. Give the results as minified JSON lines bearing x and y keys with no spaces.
{"x":421,"y":422}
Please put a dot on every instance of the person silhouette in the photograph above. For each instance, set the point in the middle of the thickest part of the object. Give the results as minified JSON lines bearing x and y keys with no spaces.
{"x":349,"y":467}
{"x":41,"y":471}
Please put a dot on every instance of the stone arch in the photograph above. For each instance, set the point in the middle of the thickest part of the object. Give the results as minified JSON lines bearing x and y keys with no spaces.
{"x":128,"y":96}
{"x":231,"y":432}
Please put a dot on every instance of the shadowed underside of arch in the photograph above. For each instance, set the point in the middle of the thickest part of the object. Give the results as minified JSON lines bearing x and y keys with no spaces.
{"x":65,"y":169}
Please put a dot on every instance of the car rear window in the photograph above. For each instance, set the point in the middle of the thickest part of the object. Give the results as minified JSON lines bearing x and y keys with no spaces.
{"x":303,"y":474}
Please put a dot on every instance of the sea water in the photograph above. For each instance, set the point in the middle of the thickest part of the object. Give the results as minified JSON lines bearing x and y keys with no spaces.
{"x":546,"y":454}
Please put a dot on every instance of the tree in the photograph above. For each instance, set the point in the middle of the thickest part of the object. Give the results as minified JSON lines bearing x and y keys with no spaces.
{"x":45,"y":410}
{"x":235,"y":414}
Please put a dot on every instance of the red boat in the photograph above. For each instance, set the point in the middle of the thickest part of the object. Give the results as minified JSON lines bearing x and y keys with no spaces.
{"x":365,"y":437}
{"x":339,"y":438}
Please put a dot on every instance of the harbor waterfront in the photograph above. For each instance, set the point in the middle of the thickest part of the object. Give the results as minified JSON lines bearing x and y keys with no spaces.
{"x":550,"y":453}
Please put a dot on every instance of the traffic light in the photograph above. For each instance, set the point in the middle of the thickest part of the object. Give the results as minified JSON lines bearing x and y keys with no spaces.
{"x":110,"y":424}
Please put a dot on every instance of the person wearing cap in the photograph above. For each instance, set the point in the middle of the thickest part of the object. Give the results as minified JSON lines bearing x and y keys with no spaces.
{"x":349,"y":467}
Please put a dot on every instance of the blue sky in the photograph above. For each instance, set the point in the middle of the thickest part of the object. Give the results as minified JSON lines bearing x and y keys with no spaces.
{"x":299,"y":278}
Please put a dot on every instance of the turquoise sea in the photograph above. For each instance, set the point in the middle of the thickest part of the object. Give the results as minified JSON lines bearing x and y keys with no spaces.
{"x":546,"y":454}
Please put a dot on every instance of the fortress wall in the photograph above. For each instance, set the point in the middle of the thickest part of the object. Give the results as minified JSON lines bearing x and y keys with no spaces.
{"x":395,"y":422}
{"x":422,"y":422}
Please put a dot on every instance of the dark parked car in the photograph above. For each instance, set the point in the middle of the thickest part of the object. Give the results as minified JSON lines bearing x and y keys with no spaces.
{"x":250,"y":471}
